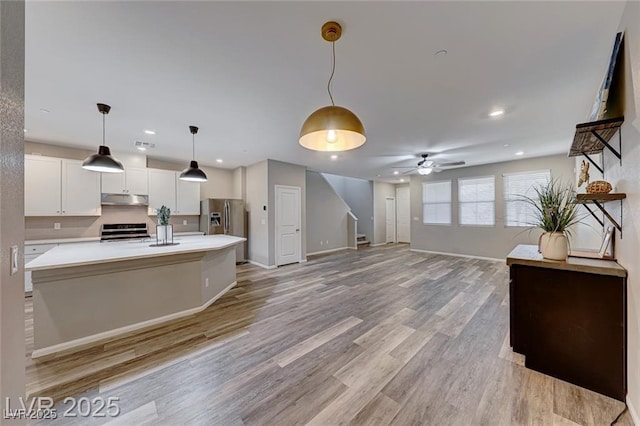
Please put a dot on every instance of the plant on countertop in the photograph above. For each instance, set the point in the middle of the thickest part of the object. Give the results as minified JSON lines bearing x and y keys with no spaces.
{"x":555,"y":212}
{"x":164,"y":213}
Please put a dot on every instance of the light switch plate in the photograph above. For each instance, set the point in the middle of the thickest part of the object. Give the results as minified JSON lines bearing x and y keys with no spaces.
{"x":184,"y":222}
{"x":56,"y":225}
{"x":15,"y":254}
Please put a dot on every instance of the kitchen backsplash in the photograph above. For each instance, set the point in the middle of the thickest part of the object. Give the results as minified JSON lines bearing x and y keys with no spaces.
{"x":42,"y":228}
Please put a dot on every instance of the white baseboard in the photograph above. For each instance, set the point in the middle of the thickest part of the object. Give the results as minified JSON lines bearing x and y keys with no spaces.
{"x":633,"y":412}
{"x":126,"y":329}
{"x":263,"y":266}
{"x":302,"y":261}
{"x":327,"y":251}
{"x":492,"y":259}
{"x":379,"y":244}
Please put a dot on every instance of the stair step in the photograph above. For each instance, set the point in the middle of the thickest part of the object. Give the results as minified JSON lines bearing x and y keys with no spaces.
{"x":362,"y":243}
{"x":361,"y":237}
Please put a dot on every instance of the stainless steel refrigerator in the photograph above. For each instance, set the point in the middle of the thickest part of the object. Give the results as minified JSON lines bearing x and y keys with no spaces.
{"x":225,"y":216}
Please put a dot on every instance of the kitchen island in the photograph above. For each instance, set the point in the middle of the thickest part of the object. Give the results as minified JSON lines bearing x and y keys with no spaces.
{"x":84,"y":293}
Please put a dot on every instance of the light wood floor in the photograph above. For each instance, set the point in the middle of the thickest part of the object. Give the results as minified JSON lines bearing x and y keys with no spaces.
{"x":378,"y":336}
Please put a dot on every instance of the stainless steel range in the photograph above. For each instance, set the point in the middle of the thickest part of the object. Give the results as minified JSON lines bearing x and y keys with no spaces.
{"x":124,"y":232}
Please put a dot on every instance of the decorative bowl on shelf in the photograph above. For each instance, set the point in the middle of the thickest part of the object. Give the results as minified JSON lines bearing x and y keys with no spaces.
{"x":599,"y":187}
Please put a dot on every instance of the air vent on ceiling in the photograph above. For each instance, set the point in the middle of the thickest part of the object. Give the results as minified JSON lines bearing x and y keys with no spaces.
{"x":143,"y":146}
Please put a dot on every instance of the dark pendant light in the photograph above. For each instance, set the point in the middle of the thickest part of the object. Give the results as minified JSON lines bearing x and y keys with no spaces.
{"x":193,"y":172}
{"x":332,"y":128}
{"x":103,"y":161}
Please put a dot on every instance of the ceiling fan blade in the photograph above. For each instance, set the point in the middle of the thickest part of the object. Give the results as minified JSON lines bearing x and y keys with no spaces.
{"x":454,"y":163}
{"x":409,"y":171}
{"x":403,"y":167}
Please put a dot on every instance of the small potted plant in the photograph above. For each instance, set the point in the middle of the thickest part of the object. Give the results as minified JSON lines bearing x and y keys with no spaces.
{"x":164,"y":231}
{"x":555,"y":212}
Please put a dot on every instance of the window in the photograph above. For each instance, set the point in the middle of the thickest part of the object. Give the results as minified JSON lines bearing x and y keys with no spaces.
{"x":436,"y":203}
{"x":518,"y":212}
{"x":477,"y":198}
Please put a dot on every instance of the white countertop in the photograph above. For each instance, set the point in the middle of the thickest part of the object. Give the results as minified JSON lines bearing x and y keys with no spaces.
{"x":67,"y":255}
{"x":89,"y":239}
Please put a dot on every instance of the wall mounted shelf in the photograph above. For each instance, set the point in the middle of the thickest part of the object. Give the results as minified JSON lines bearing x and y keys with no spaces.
{"x":593,"y":137}
{"x":599,"y":200}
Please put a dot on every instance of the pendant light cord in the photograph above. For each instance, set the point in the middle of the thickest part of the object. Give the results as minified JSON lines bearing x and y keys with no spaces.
{"x":103,"y":131}
{"x":333,"y":70}
{"x":193,"y":146}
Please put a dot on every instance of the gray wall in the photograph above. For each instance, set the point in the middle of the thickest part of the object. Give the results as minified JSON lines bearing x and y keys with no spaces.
{"x":358,"y":194}
{"x":12,"y":364}
{"x":381,"y":190}
{"x":494,"y":242}
{"x":257,"y":197}
{"x":326,"y":216}
{"x":626,"y":178}
{"x":280,"y":173}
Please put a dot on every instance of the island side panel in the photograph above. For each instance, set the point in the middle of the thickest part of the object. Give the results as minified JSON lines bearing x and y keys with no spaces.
{"x":219,"y":272}
{"x":86,"y":306}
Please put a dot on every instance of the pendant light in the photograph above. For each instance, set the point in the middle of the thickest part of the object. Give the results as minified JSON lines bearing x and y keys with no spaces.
{"x":332,"y":128}
{"x":193,"y":173}
{"x":103,"y":161}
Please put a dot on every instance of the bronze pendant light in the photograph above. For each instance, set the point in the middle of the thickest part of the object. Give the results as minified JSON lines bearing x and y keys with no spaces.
{"x":332,"y":128}
{"x":193,"y":172}
{"x":103,"y":161}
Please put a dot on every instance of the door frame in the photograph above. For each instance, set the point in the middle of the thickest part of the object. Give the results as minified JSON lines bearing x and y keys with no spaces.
{"x":395,"y":221}
{"x":277,"y":220}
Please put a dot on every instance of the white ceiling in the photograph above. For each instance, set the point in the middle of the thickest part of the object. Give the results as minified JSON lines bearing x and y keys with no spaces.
{"x":249,"y":73}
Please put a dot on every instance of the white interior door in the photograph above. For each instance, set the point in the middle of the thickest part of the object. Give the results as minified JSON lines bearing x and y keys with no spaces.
{"x":288,"y":220}
{"x":391,"y":219}
{"x":403,"y":209}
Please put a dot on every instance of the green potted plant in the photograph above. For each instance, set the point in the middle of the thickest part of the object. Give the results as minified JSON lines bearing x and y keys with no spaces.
{"x":555,"y":212}
{"x":164,"y":231}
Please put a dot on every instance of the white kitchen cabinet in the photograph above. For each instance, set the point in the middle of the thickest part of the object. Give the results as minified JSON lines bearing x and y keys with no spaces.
{"x":80,"y":190}
{"x":42,"y":186}
{"x":31,"y":252}
{"x":162,"y":190}
{"x":166,"y":188}
{"x":133,"y":181}
{"x":187,"y":197}
{"x":56,"y":187}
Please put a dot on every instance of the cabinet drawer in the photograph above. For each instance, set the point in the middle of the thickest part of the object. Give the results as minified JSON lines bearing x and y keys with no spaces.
{"x":38,"y":248}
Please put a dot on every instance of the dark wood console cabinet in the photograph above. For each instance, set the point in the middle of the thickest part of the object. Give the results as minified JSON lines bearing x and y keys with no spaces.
{"x":569,"y":319}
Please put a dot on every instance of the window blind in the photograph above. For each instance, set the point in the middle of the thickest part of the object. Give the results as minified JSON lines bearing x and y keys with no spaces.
{"x":476,"y":197}
{"x":436,"y":203}
{"x":518,"y":212}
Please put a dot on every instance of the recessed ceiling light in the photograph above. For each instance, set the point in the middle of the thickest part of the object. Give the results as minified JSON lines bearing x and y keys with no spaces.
{"x":218,"y":160}
{"x":396,"y":172}
{"x":496,"y":113}
{"x":25,"y":130}
{"x":440,"y":53}
{"x":402,"y":180}
{"x":506,"y":144}
{"x":334,"y":157}
{"x":520,"y":153}
{"x":150,"y":132}
{"x":46,"y":111}
{"x":141,"y":148}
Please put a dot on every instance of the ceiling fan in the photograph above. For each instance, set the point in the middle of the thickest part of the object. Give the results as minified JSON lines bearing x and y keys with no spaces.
{"x":425,"y":166}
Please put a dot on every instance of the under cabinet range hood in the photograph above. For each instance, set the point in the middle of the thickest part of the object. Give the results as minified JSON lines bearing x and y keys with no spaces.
{"x":124,"y":200}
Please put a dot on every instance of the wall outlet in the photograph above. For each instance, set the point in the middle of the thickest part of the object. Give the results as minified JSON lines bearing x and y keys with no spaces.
{"x":56,"y":225}
{"x":327,"y":242}
{"x":184,"y":222}
{"x":416,"y":219}
{"x":320,"y":242}
{"x":206,"y":282}
{"x":263,"y":222}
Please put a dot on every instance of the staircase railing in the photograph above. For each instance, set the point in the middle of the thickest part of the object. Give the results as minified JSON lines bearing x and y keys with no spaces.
{"x":352,"y":231}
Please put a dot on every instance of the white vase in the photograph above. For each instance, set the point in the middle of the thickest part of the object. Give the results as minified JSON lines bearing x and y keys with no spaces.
{"x":554,"y":246}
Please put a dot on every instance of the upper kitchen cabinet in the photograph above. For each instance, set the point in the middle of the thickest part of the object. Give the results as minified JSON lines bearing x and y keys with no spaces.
{"x":133,"y":181}
{"x":165,"y":188}
{"x":162,"y":190}
{"x":55,"y":187}
{"x":187,"y":197}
